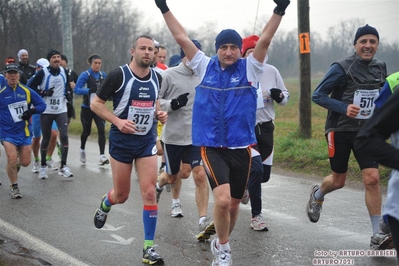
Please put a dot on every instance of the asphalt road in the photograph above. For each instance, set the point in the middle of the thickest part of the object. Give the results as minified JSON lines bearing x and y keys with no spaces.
{"x":53,"y":223}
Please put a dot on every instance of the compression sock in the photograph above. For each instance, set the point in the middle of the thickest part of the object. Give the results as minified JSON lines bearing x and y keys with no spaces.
{"x":150,"y":215}
{"x":107,"y":203}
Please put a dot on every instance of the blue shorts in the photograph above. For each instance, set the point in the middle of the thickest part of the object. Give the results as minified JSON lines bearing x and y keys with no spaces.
{"x":36,"y":129}
{"x":18,"y":141}
{"x":176,"y":154}
{"x":125,"y":147}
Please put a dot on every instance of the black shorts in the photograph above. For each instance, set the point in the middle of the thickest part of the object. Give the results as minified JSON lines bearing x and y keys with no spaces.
{"x":230,"y":166}
{"x":264,"y":136}
{"x":177,"y":154}
{"x":340,"y":145}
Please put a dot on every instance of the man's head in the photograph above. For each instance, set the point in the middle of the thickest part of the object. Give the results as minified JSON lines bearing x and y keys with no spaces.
{"x":174,"y":60}
{"x":162,"y":53}
{"x":23,"y":56}
{"x":42,"y":63}
{"x":248,"y":45}
{"x":10,"y":60}
{"x":143,"y":51}
{"x":366,"y":42}
{"x":228,"y":46}
{"x":12,"y":74}
{"x":54,"y":57}
{"x":64,"y":61}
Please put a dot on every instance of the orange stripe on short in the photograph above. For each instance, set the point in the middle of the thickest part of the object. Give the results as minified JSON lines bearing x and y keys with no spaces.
{"x":331,"y":144}
{"x":208,"y":165}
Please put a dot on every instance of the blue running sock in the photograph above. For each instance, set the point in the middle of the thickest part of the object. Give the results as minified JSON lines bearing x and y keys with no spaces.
{"x":150,"y":216}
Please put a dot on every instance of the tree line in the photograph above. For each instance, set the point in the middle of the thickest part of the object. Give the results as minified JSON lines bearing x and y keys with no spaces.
{"x":109,"y":28}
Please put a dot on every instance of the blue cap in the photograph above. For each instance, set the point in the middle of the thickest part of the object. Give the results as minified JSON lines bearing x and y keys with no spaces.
{"x":228,"y":36}
{"x":197,"y":44}
{"x":174,"y":60}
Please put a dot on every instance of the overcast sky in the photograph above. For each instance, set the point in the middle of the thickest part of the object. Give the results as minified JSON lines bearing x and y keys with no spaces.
{"x":240,"y":14}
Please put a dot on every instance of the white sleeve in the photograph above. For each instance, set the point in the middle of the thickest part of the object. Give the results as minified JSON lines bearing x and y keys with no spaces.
{"x":199,"y":63}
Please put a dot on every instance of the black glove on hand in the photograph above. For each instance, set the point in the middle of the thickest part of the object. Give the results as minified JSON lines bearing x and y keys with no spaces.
{"x":276,"y":95}
{"x":93,"y":90}
{"x":180,"y":101}
{"x":161,"y":4}
{"x":48,"y":92}
{"x":281,"y":6}
{"x":28,"y":113}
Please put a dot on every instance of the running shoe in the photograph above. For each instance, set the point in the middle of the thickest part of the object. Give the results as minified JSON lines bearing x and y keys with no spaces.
{"x":14,"y":192}
{"x":36,"y":167}
{"x":381,"y":241}
{"x":220,"y":258}
{"x":65,"y":171}
{"x":176,"y":210}
{"x":258,"y":224}
{"x":100,"y":216}
{"x":150,"y":256}
{"x":158,"y":191}
{"x":43,"y":172}
{"x":314,"y":206}
{"x":206,"y":229}
{"x":82,"y":156}
{"x":103,"y":160}
{"x":51,"y":165}
{"x":245,"y":198}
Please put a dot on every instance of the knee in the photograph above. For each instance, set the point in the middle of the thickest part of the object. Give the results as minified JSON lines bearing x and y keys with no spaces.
{"x":372,"y":181}
{"x":200,"y":178}
{"x":121,"y":197}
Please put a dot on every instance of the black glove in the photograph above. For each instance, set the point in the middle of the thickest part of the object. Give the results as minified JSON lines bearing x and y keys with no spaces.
{"x":276,"y":95}
{"x":180,"y":101}
{"x":93,"y":90}
{"x":281,"y":6}
{"x":161,"y":4}
{"x":48,"y":92}
{"x":28,"y":113}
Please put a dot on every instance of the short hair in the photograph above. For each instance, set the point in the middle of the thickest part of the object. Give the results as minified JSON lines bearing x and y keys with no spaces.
{"x":142,"y":36}
{"x":63,"y":57}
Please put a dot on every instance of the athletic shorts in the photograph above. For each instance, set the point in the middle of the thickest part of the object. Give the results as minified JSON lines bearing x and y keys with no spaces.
{"x":230,"y":166}
{"x":340,"y":145}
{"x":176,"y":154}
{"x":127,"y":147}
{"x":18,"y":141}
{"x":264,"y":136}
{"x":36,"y":128}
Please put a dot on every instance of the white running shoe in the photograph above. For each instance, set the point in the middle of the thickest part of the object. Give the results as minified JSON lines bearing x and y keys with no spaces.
{"x":258,"y":224}
{"x":36,"y":167}
{"x":43,"y":172}
{"x":51,"y":165}
{"x":82,"y":156}
{"x":103,"y":160}
{"x":176,"y":210}
{"x":220,"y":257}
{"x":65,"y":171}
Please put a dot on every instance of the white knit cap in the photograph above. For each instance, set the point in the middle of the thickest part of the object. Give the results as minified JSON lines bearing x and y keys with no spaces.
{"x":42,"y":62}
{"x":20,"y":53}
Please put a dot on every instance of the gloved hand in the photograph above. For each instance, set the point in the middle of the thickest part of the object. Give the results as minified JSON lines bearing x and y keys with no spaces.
{"x":93,"y":90}
{"x":180,"y":101}
{"x":48,"y":92}
{"x":276,"y":95}
{"x":28,"y":113}
{"x":161,"y":4}
{"x":281,"y":6}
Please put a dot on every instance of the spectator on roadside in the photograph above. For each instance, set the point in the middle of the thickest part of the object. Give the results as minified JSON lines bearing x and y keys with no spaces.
{"x":53,"y":85}
{"x":271,"y":90}
{"x":88,"y":83}
{"x":162,"y":54}
{"x":224,"y":115}
{"x":177,"y":98}
{"x":353,"y":83}
{"x":134,"y":89}
{"x":17,"y":104}
{"x":37,"y":132}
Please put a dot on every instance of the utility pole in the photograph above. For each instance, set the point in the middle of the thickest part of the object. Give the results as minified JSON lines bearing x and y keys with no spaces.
{"x":67,"y":44}
{"x":305,"y":111}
